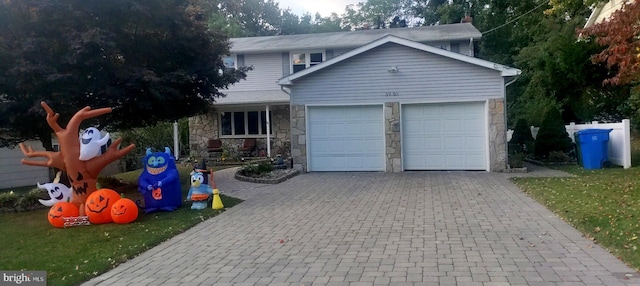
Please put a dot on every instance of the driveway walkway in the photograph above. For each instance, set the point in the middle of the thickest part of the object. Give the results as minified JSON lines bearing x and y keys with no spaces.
{"x":412,"y":228}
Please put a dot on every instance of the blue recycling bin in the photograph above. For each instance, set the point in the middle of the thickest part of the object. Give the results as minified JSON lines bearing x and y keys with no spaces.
{"x":593,"y":146}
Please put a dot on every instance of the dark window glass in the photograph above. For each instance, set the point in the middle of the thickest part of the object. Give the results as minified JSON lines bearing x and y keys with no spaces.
{"x":316,"y":58}
{"x":238,"y":123}
{"x":297,"y":68}
{"x":225,"y":123}
{"x":252,"y":122}
{"x":263,"y":123}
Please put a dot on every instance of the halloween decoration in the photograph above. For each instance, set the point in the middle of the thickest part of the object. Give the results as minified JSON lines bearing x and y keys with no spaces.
{"x":216,"y":204}
{"x":91,"y":143}
{"x":61,"y":210}
{"x":99,"y":204}
{"x":124,"y":211}
{"x":159,"y":182}
{"x":200,"y":191}
{"x":81,"y":174}
{"x":56,"y":191}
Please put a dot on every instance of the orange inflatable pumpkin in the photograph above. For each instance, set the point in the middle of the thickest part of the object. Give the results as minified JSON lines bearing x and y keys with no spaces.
{"x":98,"y":205}
{"x":124,"y":211}
{"x":61,"y":210}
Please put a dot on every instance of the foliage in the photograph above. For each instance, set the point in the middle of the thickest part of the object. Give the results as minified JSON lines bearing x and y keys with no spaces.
{"x":14,"y":201}
{"x":521,"y":138}
{"x":516,"y":160}
{"x":150,"y":60}
{"x":557,"y":51}
{"x":621,"y":37}
{"x":377,"y":14}
{"x":256,"y":170}
{"x":552,"y":136}
{"x":602,"y":204}
{"x":155,"y":137}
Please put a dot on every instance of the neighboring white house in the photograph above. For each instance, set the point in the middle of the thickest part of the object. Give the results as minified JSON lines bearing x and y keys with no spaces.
{"x":375,"y":100}
{"x":14,"y":174}
{"x":604,"y":10}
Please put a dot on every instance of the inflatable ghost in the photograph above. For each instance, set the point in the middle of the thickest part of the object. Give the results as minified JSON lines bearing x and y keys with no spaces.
{"x":57,"y":192}
{"x":91,"y":143}
{"x":159,"y":182}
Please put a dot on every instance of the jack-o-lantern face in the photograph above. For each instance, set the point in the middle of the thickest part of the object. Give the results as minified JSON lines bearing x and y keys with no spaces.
{"x":157,"y":194}
{"x":98,"y":205}
{"x":124,"y":211}
{"x":59,"y":211}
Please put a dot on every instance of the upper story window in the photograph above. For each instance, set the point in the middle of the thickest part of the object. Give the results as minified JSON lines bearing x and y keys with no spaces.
{"x":300,"y":61}
{"x":229,"y":62}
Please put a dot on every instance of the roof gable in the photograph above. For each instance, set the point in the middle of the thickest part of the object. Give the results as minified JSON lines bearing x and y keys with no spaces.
{"x":504,"y":70}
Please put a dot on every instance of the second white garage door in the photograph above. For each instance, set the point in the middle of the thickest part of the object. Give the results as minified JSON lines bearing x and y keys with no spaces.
{"x":346,"y":138}
{"x":447,"y":136}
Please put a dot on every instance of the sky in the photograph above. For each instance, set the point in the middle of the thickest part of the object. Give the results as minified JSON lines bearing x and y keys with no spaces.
{"x":324,"y":7}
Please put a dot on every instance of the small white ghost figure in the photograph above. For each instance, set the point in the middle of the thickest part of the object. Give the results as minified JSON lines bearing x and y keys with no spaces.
{"x":91,"y":143}
{"x":58,"y":192}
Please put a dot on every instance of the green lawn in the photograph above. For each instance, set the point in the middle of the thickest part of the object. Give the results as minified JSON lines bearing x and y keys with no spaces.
{"x":74,"y":255}
{"x":602,"y":204}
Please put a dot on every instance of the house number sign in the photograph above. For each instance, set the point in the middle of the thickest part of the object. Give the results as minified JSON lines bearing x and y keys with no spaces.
{"x":391,"y":93}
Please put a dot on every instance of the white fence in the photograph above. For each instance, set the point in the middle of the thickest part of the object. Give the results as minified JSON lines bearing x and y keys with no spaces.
{"x":619,"y":139}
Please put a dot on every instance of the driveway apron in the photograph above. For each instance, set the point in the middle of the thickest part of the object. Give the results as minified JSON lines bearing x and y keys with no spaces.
{"x":411,"y":228}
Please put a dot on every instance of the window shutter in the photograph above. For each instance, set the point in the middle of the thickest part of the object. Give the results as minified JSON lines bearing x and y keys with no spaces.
{"x":286,"y":69}
{"x":240,"y":60}
{"x":329,"y":54}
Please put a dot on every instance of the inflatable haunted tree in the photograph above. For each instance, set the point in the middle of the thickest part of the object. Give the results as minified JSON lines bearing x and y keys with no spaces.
{"x":82,"y":174}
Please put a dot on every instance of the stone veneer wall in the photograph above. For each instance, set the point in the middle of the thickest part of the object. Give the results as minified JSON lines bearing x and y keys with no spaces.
{"x":497,"y":136}
{"x":393,"y":150}
{"x":298,"y":138}
{"x":206,"y":126}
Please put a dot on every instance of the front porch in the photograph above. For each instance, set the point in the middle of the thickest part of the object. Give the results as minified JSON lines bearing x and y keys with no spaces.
{"x":233,"y":124}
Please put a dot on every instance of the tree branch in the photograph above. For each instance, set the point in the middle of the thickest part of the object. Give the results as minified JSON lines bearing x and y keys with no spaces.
{"x":52,"y":118}
{"x":55,"y":158}
{"x":95,"y":165}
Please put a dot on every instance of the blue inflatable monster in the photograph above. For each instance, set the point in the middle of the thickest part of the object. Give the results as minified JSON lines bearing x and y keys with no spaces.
{"x":200,"y":191}
{"x":159,"y":182}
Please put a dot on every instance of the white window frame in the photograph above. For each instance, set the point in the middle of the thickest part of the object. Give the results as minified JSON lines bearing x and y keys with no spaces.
{"x":261,"y":133}
{"x":235,"y":60}
{"x":307,"y":57}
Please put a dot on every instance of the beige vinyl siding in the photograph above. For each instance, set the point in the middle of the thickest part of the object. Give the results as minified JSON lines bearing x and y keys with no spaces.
{"x":15,"y":174}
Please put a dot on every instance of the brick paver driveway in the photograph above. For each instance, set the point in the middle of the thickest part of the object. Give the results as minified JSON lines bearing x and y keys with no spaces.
{"x":412,"y":228}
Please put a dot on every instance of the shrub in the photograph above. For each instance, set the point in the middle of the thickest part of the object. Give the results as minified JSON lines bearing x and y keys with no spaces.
{"x":552,"y":135}
{"x":8,"y":201}
{"x":256,"y":170}
{"x":522,"y":140}
{"x":516,"y":160}
{"x":29,"y":201}
{"x":557,"y":156}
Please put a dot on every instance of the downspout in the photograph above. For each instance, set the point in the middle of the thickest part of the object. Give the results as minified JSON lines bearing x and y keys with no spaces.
{"x":471,"y":53}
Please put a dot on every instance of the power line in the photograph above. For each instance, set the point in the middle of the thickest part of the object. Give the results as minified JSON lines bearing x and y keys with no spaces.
{"x":515,"y":19}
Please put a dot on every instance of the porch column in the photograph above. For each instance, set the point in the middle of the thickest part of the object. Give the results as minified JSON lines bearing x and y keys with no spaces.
{"x":268,"y":133}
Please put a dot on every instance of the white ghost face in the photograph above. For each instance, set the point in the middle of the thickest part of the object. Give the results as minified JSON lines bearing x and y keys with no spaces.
{"x":57,"y":192}
{"x":91,"y":143}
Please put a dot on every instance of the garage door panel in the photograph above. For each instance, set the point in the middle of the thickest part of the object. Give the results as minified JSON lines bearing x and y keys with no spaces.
{"x":444,"y":136}
{"x":346,"y":138}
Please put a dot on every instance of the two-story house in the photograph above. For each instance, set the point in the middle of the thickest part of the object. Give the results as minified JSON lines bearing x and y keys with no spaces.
{"x":374,"y":100}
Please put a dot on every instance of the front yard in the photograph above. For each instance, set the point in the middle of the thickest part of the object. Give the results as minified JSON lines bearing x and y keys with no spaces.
{"x":74,"y":255}
{"x":602,"y":204}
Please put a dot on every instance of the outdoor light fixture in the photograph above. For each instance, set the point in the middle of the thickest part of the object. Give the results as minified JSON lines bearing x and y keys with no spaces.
{"x":393,"y":69}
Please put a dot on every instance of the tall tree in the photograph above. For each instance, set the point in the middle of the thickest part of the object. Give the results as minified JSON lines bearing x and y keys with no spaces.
{"x":377,"y":14}
{"x":150,"y":61}
{"x":620,"y":36}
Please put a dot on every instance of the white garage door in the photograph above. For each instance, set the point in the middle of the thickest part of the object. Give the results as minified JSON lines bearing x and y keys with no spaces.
{"x":444,"y":136}
{"x":346,"y":138}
